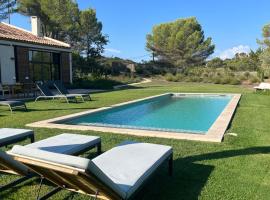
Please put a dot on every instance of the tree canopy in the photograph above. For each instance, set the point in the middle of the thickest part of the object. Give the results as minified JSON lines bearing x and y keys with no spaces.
{"x":63,"y":20}
{"x":265,"y":55}
{"x":6,"y":7}
{"x":181,"y":43}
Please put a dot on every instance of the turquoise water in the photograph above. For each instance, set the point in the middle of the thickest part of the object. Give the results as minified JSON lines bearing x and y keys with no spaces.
{"x":190,"y":113}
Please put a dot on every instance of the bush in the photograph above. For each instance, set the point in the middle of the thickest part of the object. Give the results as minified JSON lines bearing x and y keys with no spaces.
{"x":254,"y":79}
{"x":169,"y":77}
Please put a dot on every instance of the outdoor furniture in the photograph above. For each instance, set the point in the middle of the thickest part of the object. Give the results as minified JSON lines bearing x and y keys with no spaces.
{"x":12,"y":104}
{"x":12,"y":135}
{"x":62,"y":90}
{"x":4,"y":89}
{"x":70,"y":144}
{"x":47,"y":94}
{"x":116,"y":174}
{"x":263,"y":86}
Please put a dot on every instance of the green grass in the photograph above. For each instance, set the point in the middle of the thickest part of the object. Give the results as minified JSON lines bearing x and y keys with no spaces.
{"x":238,"y":168}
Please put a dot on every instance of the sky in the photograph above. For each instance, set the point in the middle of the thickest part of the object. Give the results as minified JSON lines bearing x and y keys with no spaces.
{"x":233,"y":25}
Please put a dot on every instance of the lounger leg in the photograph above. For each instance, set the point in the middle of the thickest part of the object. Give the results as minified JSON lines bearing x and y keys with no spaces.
{"x":67,"y":100}
{"x":171,"y":165}
{"x":37,"y":99}
{"x":32,"y":138}
{"x":10,"y":108}
{"x":99,"y":148}
{"x":40,"y":185}
{"x":51,"y":193}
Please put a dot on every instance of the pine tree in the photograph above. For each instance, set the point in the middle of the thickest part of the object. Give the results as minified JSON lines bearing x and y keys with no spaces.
{"x":6,"y":7}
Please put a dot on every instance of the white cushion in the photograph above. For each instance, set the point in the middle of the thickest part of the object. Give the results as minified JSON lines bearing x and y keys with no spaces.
{"x":130,"y":164}
{"x":65,"y":143}
{"x":9,"y":134}
{"x":263,"y":86}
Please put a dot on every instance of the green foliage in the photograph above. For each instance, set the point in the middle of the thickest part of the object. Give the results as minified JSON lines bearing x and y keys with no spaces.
{"x":215,"y":63}
{"x":59,"y":18}
{"x":90,"y":39}
{"x":181,"y":43}
{"x":6,"y":7}
{"x":63,"y":20}
{"x":213,"y":75}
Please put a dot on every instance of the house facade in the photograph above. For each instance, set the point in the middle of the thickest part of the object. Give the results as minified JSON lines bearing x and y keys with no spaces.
{"x":30,"y":57}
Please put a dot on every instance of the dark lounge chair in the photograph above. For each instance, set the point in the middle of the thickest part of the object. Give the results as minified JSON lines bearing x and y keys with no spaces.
{"x":62,"y":90}
{"x":47,"y":94}
{"x":12,"y":104}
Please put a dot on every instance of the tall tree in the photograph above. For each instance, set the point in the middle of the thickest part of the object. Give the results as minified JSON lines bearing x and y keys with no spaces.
{"x":181,"y":43}
{"x":59,"y":18}
{"x":6,"y":7}
{"x":265,"y":55}
{"x":62,"y":20}
{"x":91,"y":40}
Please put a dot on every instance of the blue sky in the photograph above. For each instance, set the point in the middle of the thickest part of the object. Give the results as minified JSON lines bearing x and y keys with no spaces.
{"x":234,"y":25}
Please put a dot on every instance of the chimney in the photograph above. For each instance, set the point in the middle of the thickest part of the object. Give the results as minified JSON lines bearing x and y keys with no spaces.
{"x":36,"y":26}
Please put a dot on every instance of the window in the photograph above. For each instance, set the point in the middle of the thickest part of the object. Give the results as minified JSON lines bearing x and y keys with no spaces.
{"x":44,"y":66}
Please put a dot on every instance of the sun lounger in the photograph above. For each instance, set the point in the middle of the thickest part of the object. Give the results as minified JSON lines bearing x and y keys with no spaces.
{"x":12,"y":135}
{"x":62,"y":90}
{"x":263,"y":86}
{"x":13,"y":104}
{"x":116,"y":174}
{"x":47,"y":94}
{"x":69,"y":144}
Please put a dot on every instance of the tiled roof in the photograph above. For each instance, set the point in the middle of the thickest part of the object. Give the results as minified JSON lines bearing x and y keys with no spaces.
{"x":9,"y":32}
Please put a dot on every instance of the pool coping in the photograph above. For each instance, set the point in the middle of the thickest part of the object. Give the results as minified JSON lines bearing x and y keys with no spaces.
{"x":214,"y":134}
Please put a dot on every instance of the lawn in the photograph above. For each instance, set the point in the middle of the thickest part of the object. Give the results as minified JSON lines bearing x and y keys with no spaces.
{"x":238,"y":168}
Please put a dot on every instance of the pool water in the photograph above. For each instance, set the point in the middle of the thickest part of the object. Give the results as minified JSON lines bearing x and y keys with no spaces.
{"x":177,"y":113}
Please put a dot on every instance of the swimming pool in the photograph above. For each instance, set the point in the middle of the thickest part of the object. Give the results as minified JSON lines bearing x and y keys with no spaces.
{"x":203,"y":117}
{"x":176,"y":113}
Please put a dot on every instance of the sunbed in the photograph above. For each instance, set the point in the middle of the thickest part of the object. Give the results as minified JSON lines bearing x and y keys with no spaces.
{"x":116,"y":174}
{"x":13,"y":104}
{"x":62,"y":90}
{"x":12,"y":135}
{"x":47,"y":94}
{"x":263,"y":86}
{"x":69,"y":144}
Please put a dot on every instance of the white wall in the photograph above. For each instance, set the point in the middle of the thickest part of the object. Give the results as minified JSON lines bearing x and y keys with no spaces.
{"x":7,"y":64}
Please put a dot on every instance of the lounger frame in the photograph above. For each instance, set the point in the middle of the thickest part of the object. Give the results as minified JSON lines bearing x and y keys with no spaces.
{"x":11,"y":108}
{"x":44,"y":96}
{"x":77,"y":180}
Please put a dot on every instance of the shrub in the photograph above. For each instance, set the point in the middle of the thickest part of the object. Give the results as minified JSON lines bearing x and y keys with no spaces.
{"x":235,"y":81}
{"x":254,"y":79}
{"x":169,"y":77}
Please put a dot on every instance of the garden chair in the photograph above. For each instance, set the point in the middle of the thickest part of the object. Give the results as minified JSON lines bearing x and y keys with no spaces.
{"x":47,"y":94}
{"x":12,"y":104}
{"x":62,"y":90}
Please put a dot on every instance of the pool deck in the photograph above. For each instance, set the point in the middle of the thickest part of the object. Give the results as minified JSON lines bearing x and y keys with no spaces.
{"x":214,"y":134}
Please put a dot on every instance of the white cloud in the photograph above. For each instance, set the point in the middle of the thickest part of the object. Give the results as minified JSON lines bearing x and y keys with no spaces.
{"x":230,"y":53}
{"x":111,"y":50}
